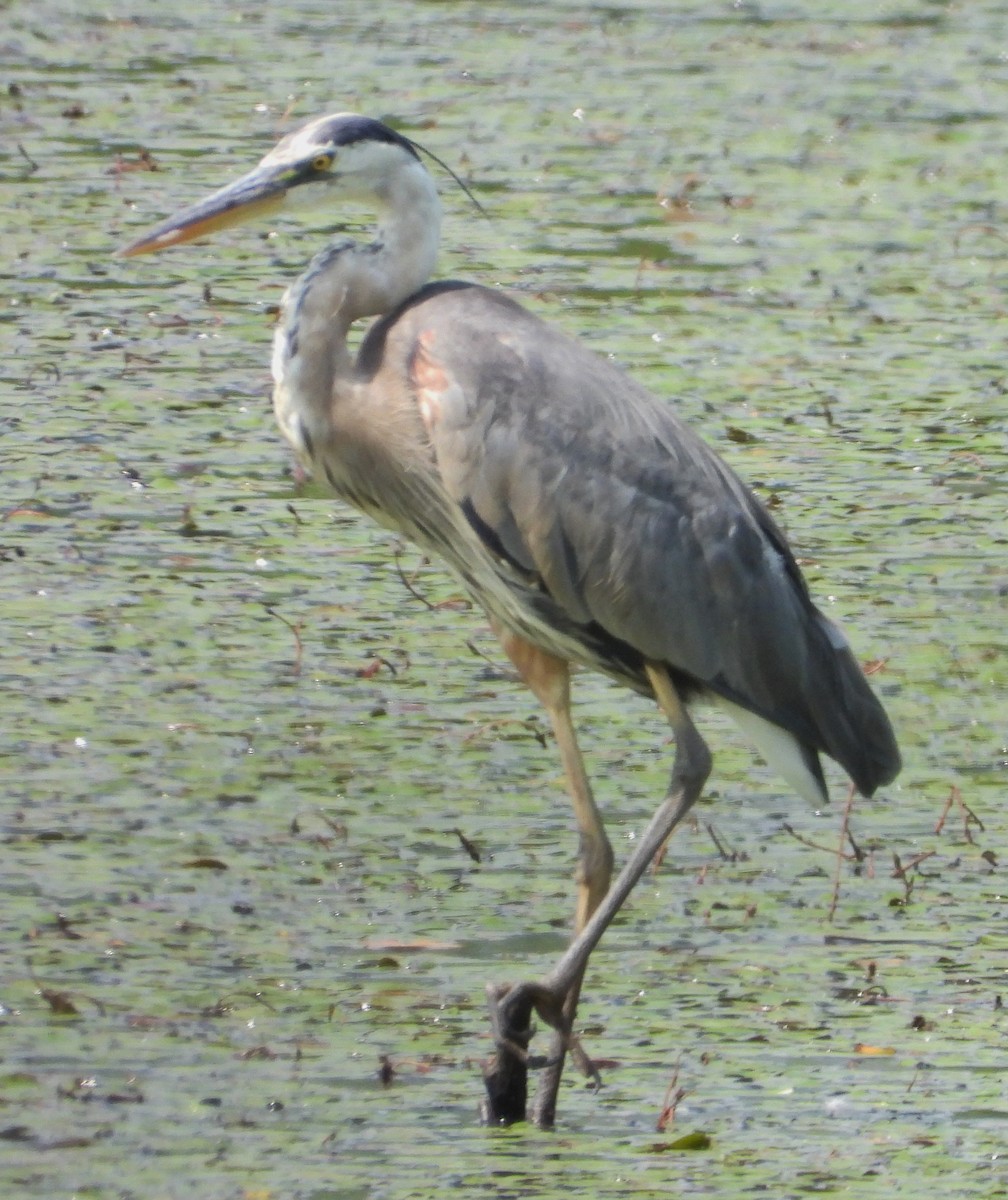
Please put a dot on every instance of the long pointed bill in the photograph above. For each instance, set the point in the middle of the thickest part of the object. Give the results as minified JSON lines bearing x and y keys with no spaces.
{"x":260,"y":192}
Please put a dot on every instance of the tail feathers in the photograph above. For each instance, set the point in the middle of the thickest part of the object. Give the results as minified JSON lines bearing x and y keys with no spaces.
{"x":852,"y":725}
{"x":792,"y":761}
{"x":838,"y":714}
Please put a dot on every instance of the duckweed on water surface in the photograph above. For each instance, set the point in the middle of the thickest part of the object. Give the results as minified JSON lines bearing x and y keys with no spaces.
{"x":239,"y":751}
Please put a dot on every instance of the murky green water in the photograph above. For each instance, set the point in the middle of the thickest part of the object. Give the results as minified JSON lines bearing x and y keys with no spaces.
{"x":227,"y":841}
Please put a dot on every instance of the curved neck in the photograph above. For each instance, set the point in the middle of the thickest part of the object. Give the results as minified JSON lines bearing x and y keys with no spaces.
{"x":347,"y":281}
{"x":405,"y":247}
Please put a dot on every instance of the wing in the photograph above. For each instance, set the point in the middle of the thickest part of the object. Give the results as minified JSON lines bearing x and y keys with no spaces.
{"x":625,"y":519}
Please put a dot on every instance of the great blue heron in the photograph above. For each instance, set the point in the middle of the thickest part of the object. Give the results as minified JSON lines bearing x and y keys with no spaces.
{"x":591,"y":525}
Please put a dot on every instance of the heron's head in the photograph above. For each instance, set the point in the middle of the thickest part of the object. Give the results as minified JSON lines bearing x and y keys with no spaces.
{"x":358,"y":155}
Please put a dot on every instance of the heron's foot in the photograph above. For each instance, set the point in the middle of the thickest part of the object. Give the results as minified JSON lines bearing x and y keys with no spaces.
{"x":505,"y":1074}
{"x":585,"y":1064}
{"x":512,"y":1005}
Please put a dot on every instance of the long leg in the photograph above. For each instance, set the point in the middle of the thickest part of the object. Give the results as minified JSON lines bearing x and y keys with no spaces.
{"x":548,"y":678}
{"x":689,"y":773}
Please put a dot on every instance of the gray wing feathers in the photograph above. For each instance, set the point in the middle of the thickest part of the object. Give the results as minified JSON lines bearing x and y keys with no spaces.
{"x":632,"y":523}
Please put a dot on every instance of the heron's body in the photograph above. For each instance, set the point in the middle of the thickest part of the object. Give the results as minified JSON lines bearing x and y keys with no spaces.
{"x":587,"y":520}
{"x":463,"y":411}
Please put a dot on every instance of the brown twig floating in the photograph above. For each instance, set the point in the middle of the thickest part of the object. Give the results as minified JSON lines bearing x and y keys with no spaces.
{"x":840,"y":855}
{"x":726,"y":854}
{"x":407,"y":583}
{"x":673,"y":1095}
{"x":469,"y":847}
{"x":295,"y":629}
{"x":969,"y":816}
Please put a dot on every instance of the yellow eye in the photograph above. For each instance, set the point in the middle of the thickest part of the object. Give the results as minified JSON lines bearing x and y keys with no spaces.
{"x":322,"y":162}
